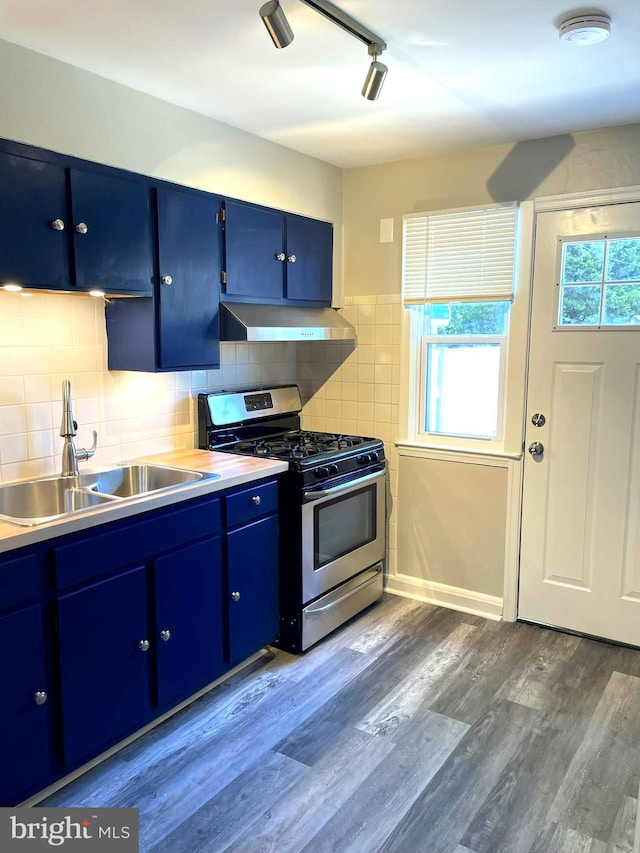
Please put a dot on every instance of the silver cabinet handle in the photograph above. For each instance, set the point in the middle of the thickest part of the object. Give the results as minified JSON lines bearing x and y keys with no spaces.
{"x":235,"y":596}
{"x":40,"y":697}
{"x":82,"y":227}
{"x":256,"y":499}
{"x":143,"y":645}
{"x":165,"y":635}
{"x":292,"y":259}
{"x":281,"y":256}
{"x":536,"y":449}
{"x":57,"y":225}
{"x":166,"y":279}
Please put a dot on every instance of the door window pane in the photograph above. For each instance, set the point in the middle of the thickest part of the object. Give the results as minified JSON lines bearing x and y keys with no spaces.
{"x":463,"y":389}
{"x":583,"y":261}
{"x":623,"y":260}
{"x":622,"y":305}
{"x":580,"y":306}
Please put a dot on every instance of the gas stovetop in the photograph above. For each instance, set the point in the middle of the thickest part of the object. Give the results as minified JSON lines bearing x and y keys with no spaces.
{"x":266,"y":423}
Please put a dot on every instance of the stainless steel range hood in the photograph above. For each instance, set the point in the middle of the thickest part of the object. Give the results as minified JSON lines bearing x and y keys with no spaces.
{"x":240,"y":321}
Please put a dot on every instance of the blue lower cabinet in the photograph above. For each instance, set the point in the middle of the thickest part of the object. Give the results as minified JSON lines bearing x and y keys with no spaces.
{"x":189,"y":620}
{"x":104,"y":663}
{"x":252,"y":587}
{"x":25,"y":706}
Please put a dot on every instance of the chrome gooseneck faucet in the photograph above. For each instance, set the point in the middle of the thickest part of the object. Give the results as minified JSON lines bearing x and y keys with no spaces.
{"x":68,"y":429}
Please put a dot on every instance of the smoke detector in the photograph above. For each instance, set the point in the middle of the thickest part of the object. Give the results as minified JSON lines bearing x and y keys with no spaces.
{"x":585,"y":29}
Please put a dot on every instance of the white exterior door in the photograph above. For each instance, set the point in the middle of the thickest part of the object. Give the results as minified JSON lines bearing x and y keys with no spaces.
{"x":580,"y":553}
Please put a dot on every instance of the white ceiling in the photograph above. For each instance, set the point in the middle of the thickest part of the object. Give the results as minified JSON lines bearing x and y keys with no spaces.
{"x":461,"y":72}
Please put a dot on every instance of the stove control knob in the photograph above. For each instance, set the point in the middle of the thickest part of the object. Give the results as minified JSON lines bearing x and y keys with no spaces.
{"x":365,"y":459}
{"x":332,"y":470}
{"x":322,"y":473}
{"x":374,"y":456}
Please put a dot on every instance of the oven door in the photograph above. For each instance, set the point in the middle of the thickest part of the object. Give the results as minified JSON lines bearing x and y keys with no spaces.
{"x":343,"y":532}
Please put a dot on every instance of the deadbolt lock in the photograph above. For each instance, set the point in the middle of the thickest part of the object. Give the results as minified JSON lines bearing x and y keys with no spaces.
{"x":538,"y":420}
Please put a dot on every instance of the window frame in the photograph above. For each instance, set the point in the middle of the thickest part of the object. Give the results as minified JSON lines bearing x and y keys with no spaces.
{"x":510,"y":445}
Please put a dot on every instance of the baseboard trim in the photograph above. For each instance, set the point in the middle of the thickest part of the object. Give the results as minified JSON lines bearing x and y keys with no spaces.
{"x":456,"y":598}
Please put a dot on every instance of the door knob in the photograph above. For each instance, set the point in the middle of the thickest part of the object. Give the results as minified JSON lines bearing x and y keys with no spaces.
{"x":165,"y":635}
{"x":538,"y":420}
{"x":235,"y":596}
{"x":82,"y":227}
{"x":536,"y":449}
{"x":40,"y":697}
{"x":143,"y":645}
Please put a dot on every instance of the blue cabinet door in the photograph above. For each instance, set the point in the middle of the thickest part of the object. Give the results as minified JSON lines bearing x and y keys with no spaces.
{"x":189,"y":258}
{"x":32,"y":197}
{"x":103,"y":670}
{"x":253,"y":238}
{"x":24,"y":745}
{"x":114,"y":254}
{"x":189,"y":620}
{"x":309,"y":276}
{"x":252,"y":587}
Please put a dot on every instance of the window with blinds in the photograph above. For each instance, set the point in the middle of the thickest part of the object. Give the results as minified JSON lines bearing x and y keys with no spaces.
{"x":457,"y":282}
{"x":462,"y":255}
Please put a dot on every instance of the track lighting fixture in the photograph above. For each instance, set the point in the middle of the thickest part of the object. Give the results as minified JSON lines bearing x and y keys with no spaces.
{"x":276,"y":23}
{"x":282,"y":35}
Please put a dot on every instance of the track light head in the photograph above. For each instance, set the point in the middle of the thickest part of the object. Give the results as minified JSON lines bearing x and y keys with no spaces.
{"x":374,"y":80}
{"x":276,"y":23}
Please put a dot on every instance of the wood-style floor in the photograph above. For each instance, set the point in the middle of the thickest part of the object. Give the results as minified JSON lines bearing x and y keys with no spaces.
{"x":414,"y":728}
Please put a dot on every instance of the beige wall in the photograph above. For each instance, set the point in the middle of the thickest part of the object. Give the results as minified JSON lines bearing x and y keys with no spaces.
{"x":450,"y":528}
{"x":45,"y":338}
{"x":562,"y":164}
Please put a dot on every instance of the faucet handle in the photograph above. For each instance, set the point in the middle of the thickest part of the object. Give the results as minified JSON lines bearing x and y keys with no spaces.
{"x":84,"y":453}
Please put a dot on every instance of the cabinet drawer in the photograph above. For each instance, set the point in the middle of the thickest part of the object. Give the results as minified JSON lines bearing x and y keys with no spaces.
{"x":251,"y":503}
{"x":136,"y":542}
{"x":21,"y":579}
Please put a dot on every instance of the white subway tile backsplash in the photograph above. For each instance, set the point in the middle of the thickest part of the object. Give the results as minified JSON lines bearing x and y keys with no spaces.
{"x":47,"y":338}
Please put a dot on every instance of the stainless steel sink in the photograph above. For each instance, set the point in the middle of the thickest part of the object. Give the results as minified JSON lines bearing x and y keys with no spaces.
{"x":125,"y":481}
{"x":49,"y":498}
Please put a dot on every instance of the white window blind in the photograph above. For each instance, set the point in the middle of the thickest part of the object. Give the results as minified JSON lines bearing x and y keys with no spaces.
{"x":464,"y":255}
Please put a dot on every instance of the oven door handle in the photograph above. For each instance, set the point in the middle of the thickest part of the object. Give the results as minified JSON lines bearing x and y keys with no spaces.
{"x":359,"y":588}
{"x":343,"y":487}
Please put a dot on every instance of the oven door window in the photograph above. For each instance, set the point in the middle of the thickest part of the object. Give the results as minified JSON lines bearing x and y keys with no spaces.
{"x":343,"y":525}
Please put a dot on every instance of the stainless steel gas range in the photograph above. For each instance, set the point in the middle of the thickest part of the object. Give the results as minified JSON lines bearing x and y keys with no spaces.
{"x":332,"y":506}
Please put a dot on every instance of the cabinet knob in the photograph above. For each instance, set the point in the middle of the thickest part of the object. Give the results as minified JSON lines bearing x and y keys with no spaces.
{"x":166,"y":279}
{"x":256,"y":499}
{"x":82,"y":227}
{"x":40,"y":697}
{"x":165,"y":635}
{"x":57,"y":225}
{"x":281,"y":256}
{"x":292,"y":259}
{"x":235,"y":596}
{"x":143,"y":645}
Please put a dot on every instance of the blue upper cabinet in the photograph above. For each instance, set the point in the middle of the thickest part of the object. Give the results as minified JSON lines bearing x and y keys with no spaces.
{"x":189,"y":279}
{"x":179,"y":328}
{"x":112,"y":233}
{"x":67,"y":228}
{"x":254,"y":251}
{"x":276,"y":257}
{"x":309,"y":259}
{"x":33,"y":223}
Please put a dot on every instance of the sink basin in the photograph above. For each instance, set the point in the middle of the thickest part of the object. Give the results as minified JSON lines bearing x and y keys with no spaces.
{"x":125,"y":481}
{"x":38,"y":501}
{"x":50,"y":498}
